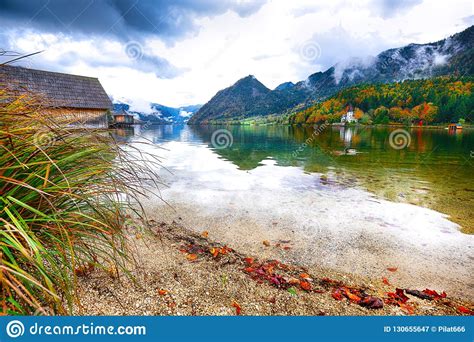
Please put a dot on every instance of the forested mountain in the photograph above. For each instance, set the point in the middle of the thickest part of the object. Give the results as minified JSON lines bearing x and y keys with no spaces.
{"x":438,"y":100}
{"x":248,"y":97}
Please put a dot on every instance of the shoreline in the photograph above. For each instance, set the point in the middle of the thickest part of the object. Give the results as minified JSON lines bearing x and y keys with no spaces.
{"x":439,"y":126}
{"x":177,"y":272}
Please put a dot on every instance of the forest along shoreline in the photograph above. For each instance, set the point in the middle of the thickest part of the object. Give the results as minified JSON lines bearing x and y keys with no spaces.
{"x":180,"y":272}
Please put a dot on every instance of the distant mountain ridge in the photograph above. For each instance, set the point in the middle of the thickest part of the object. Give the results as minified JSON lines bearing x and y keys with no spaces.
{"x":249,"y":97}
{"x":160,"y":114}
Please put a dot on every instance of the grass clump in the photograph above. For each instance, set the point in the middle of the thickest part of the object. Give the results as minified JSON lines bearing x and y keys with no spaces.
{"x":64,"y":197}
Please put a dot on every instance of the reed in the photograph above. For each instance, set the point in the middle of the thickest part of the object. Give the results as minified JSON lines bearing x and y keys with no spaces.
{"x":65,"y":194}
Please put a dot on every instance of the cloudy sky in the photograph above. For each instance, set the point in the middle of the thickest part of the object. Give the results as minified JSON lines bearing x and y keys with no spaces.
{"x":182,"y":52}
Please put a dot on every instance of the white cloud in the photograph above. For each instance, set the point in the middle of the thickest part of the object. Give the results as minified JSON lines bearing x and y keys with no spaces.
{"x":229,"y":46}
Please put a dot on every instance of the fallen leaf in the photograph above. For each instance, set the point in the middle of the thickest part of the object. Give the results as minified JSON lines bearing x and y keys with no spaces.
{"x":336,"y":294}
{"x":464,"y":310}
{"x":371,"y":302}
{"x":352,"y":297}
{"x":385,"y":281}
{"x":249,"y":261}
{"x":399,"y":296}
{"x":214,"y":252}
{"x":205,"y":234}
{"x":304,"y":275}
{"x":305,"y":285}
{"x":191,"y":257}
{"x":392,"y":269}
{"x":287,"y":248}
{"x":292,"y":291}
{"x":162,"y":292}
{"x":249,"y":269}
{"x":237,"y":307}
{"x":419,"y":294}
{"x":276,"y":280}
{"x":435,"y":294}
{"x":266,"y":243}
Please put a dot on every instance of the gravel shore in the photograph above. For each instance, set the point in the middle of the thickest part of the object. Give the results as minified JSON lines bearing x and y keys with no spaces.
{"x":180,"y":272}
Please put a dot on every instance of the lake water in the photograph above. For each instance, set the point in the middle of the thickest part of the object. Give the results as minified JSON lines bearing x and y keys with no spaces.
{"x":346,"y":198}
{"x":436,"y":169}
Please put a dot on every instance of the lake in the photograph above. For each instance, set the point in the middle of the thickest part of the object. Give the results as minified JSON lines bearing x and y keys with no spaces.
{"x":435,"y":170}
{"x":356,"y":199}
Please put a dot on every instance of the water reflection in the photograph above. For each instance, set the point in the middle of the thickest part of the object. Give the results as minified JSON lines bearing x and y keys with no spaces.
{"x":435,"y":170}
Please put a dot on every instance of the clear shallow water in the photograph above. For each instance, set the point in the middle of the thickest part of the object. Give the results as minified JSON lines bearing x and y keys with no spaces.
{"x":351,"y":213}
{"x":436,"y":170}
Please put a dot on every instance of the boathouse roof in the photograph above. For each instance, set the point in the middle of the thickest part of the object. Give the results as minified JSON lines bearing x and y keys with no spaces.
{"x":56,"y":89}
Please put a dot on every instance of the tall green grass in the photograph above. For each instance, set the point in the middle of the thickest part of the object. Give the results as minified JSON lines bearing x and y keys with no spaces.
{"x":64,"y":198}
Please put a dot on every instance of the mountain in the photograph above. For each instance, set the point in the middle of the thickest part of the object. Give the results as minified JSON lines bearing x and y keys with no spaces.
{"x":249,"y":97}
{"x":285,"y":85}
{"x":437,"y":100}
{"x":159,"y":114}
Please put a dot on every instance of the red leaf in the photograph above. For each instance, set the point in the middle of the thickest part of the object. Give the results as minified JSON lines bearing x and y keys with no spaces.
{"x":399,"y":296}
{"x":162,"y":292}
{"x":249,"y":269}
{"x":352,"y":297}
{"x":464,"y":310}
{"x":305,"y":285}
{"x":276,"y":280}
{"x":304,"y":275}
{"x":385,"y":281}
{"x":435,"y":294}
{"x":249,"y":261}
{"x":286,"y":248}
{"x":336,"y":294}
{"x":392,"y":269}
{"x":237,"y":307}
